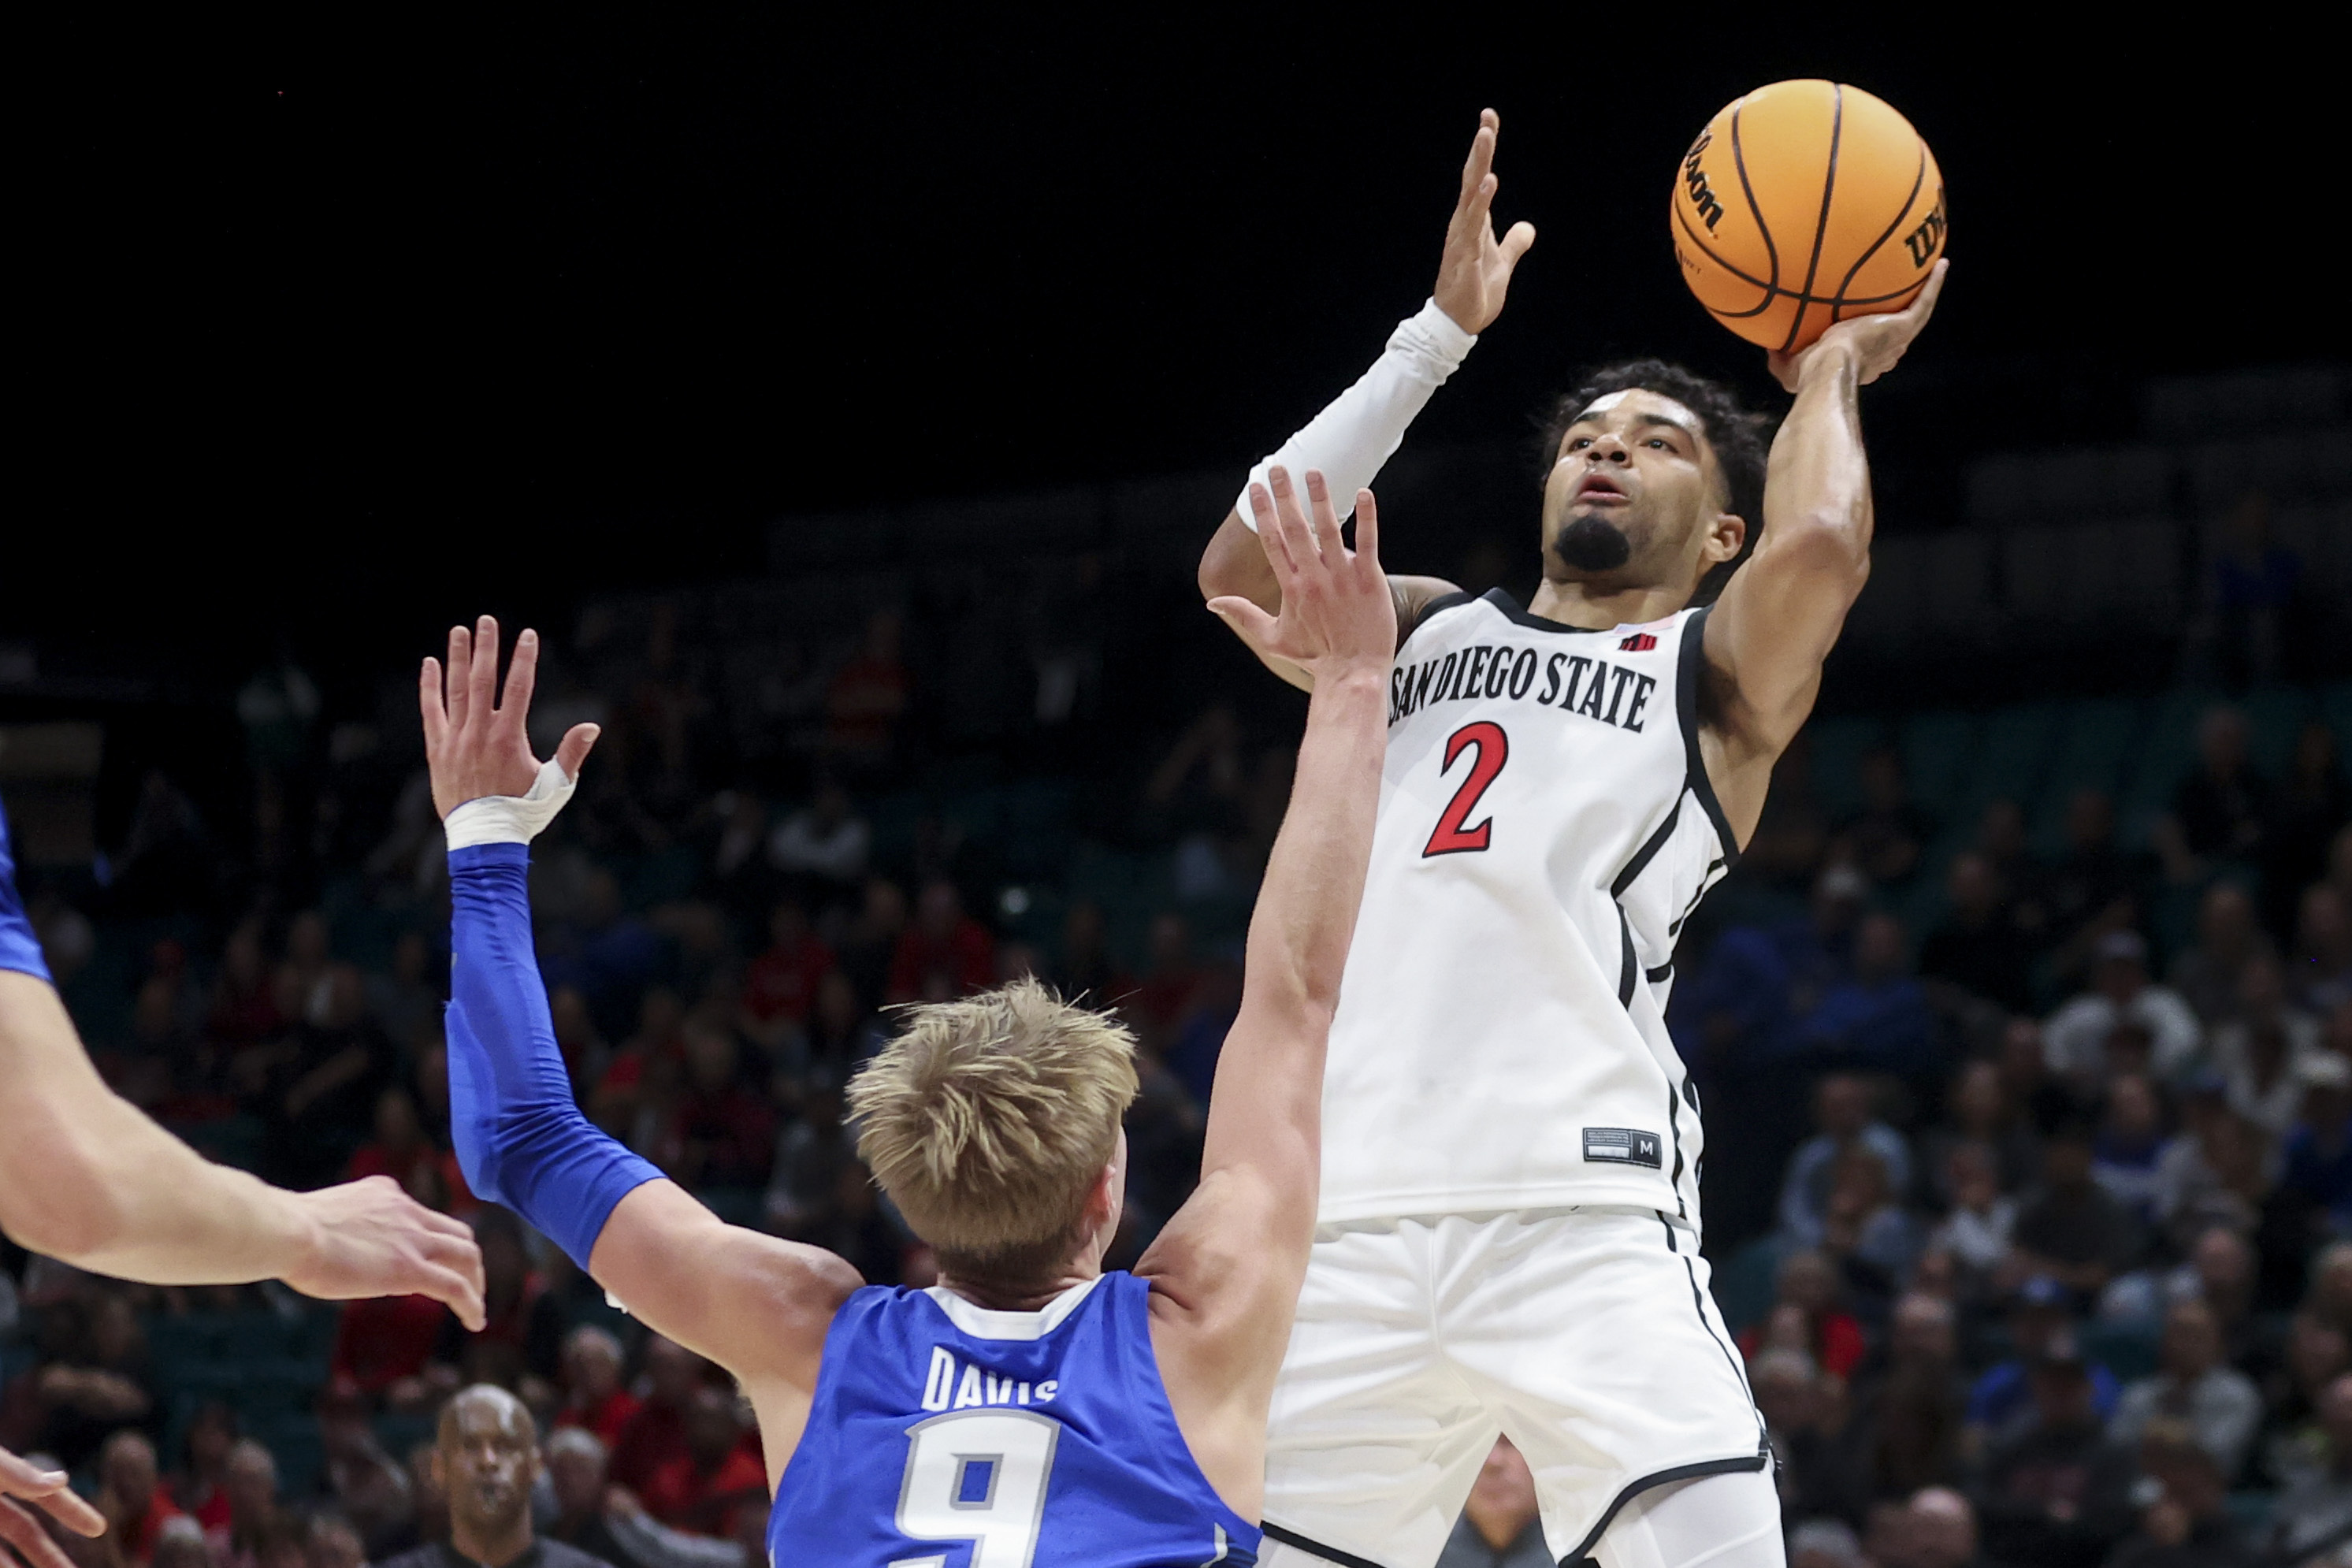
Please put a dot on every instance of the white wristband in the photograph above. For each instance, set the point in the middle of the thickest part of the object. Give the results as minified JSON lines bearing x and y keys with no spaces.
{"x":511,"y":819}
{"x":1351,"y":439}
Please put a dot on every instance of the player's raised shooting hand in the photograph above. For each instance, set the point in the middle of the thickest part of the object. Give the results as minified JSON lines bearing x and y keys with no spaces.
{"x":475,"y":744}
{"x":47,"y":1489}
{"x":1475,"y":270}
{"x":1875,"y":344}
{"x":1339,"y":616}
{"x":370,"y":1239}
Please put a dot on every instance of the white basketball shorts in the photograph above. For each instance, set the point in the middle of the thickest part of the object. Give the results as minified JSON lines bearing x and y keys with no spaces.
{"x":1585,"y":1335}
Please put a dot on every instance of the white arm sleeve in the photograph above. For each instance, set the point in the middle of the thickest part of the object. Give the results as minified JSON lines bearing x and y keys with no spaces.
{"x":1350,"y":440}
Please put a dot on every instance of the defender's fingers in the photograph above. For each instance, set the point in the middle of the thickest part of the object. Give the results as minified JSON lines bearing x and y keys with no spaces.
{"x":482,"y":679}
{"x":1328,"y":546}
{"x":573,"y":750}
{"x":1269,"y":532}
{"x":453,"y":1290}
{"x":1367,"y":532}
{"x":23,"y":1532}
{"x":1250,"y":623}
{"x":522,"y":678}
{"x":430,"y":706}
{"x":68,"y":1508}
{"x":461,"y":665}
{"x":1290,"y":523}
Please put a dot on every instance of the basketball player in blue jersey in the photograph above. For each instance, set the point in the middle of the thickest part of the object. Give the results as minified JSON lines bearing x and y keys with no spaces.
{"x":1029,"y":1411}
{"x":85,"y":1177}
{"x":1509,"y":1208}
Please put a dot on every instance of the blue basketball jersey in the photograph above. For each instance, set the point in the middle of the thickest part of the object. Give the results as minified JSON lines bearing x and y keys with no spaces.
{"x":945,"y":1436}
{"x":19,"y":948}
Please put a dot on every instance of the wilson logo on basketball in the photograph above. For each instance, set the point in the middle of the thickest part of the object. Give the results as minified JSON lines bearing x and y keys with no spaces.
{"x":1640,"y":642}
{"x":1694,"y":182}
{"x":1924,"y":241}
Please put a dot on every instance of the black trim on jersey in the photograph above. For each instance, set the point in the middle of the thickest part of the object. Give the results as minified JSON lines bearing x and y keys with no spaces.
{"x":1631,"y":965}
{"x":1274,"y":1531}
{"x":1694,"y":663}
{"x":1663,"y":971}
{"x":1699,"y":1305}
{"x":1674,"y":1126}
{"x":1534,"y":622}
{"x":1634,"y":1488}
{"x":1647,"y":852}
{"x":1437,"y":606}
{"x":1674,"y":928}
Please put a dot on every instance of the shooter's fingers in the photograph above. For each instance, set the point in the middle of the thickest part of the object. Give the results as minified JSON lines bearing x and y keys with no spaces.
{"x":461,"y":665}
{"x":1516,"y":244}
{"x":1481,"y":161}
{"x":429,"y":703}
{"x":1924,"y":306}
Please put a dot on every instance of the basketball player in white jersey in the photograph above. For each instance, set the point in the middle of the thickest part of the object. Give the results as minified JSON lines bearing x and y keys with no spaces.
{"x":1509,"y":1219}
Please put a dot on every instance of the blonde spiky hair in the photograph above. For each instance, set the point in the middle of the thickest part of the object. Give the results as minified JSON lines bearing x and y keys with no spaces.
{"x":988,"y":1121}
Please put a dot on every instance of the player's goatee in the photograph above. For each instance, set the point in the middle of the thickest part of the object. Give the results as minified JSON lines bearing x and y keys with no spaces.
{"x":1592,"y":545}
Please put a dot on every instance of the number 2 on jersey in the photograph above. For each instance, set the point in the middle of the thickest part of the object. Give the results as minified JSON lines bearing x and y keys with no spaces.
{"x":1493,"y":749}
{"x":977,"y":1475}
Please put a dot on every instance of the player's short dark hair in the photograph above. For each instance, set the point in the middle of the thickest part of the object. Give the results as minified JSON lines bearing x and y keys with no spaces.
{"x":1739,"y":437}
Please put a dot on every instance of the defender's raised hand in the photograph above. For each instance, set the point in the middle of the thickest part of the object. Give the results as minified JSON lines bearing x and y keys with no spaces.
{"x":1876,"y":342}
{"x":1475,"y":270}
{"x":1338,"y":614}
{"x":475,"y":744}
{"x":47,"y":1489}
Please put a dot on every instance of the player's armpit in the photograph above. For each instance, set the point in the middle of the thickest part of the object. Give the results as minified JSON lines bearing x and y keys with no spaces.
{"x":758,"y":1304}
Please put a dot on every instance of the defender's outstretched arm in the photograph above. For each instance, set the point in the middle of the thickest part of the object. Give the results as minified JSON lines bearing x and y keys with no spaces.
{"x":1349,"y":440}
{"x":1782,"y":611}
{"x":757,"y":1305}
{"x":1232,"y":1259}
{"x":87,"y":1178}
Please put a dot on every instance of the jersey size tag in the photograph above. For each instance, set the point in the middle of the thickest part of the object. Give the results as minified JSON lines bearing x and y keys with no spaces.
{"x":1621,"y":1146}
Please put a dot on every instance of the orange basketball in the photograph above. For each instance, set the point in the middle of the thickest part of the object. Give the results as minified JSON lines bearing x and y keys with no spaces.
{"x":1803,"y":204}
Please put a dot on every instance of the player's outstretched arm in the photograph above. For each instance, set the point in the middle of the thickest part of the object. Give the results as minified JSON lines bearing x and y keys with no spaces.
{"x":757,"y":1305}
{"x":1229,"y":1264}
{"x":1349,"y":440}
{"x":85,"y":1176}
{"x":1780,"y":614}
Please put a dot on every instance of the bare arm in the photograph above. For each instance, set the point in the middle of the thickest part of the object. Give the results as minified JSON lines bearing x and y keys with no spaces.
{"x":1473,"y":273}
{"x":85,"y":1176}
{"x":1226,"y":1270}
{"x":757,"y":1305}
{"x":1768,"y":636}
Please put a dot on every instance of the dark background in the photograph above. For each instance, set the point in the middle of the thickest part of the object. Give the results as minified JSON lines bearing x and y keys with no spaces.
{"x":338,"y":334}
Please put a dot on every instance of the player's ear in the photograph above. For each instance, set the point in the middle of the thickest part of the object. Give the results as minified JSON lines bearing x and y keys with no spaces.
{"x":1724,"y":537}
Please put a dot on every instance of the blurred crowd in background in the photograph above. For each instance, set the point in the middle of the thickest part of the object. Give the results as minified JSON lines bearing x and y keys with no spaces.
{"x":2025,"y":1028}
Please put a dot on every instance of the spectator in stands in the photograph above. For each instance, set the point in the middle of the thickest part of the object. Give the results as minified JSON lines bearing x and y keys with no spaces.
{"x":824,"y":843}
{"x":405,"y":1001}
{"x":656,"y":1434}
{"x":2207,"y":973}
{"x":2323,"y":950}
{"x":1909,"y":1416}
{"x":131,"y":1495}
{"x":812,"y":1153}
{"x":401,"y":1150}
{"x":1806,"y":1312}
{"x":703,"y":1489}
{"x":2070,"y":1229}
{"x":1978,"y":946}
{"x":1875,"y":1016}
{"x":2056,"y":1491}
{"x":1888,"y":836}
{"x":2076,"y":1038}
{"x":201,"y":1490}
{"x":1867,"y":1233}
{"x":595,"y":1398}
{"x":576,"y":1474}
{"x":2306,"y":811}
{"x":1842,"y":1113}
{"x":943,"y":953}
{"x":1824,"y":1543}
{"x":1498,"y":1528}
{"x":523,"y":1338}
{"x":780,"y":986}
{"x":1977,"y":1229}
{"x":2319,"y":1147}
{"x":2040,"y":1324}
{"x":486,"y":1459}
{"x":1812,"y":1467}
{"x":868,"y":696}
{"x":2193,"y":1384}
{"x":1939,"y":1531}
{"x":2259,"y":1051}
{"x":2313,"y":1519}
{"x":2091,"y":890}
{"x":2220,"y":805}
{"x":245,"y":1006}
{"x":725,"y":1131}
{"x":251,"y":1482}
{"x":92,"y":1377}
{"x":180,"y":1543}
{"x":2186,"y":1523}
{"x":2294,"y":1445}
{"x":333,"y":1541}
{"x":384,"y":1350}
{"x":2126,"y":1156}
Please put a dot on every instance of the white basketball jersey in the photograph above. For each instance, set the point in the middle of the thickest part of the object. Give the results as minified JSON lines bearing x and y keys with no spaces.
{"x":1546,"y":826}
